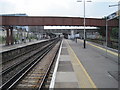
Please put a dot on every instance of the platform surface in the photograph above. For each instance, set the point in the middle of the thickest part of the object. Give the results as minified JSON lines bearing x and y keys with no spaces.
{"x":86,"y":68}
{"x":4,"y":48}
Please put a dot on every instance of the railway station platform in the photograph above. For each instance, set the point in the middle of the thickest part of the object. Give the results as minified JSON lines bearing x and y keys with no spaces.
{"x":92,"y":67}
{"x":4,"y":48}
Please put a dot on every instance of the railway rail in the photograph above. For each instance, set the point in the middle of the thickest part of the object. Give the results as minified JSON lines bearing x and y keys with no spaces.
{"x":11,"y":55}
{"x":19,"y":70}
{"x":12,"y":68}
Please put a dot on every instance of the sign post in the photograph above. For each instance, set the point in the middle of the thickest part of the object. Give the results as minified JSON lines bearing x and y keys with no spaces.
{"x":108,"y":18}
{"x":119,"y":47}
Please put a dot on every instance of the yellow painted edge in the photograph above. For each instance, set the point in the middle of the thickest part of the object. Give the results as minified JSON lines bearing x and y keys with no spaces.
{"x":111,"y":52}
{"x":89,"y":78}
{"x":82,"y":85}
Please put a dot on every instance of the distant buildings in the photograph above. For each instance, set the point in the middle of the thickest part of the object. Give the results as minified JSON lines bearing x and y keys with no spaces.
{"x":23,"y":27}
{"x":36,"y":29}
{"x":19,"y":32}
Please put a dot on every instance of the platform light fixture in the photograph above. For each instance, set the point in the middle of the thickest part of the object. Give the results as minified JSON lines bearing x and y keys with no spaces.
{"x":84,"y":44}
{"x":114,"y":5}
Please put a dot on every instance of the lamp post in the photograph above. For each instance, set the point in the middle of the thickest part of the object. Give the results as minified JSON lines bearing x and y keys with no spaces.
{"x":106,"y":35}
{"x":119,"y":38}
{"x":84,"y":44}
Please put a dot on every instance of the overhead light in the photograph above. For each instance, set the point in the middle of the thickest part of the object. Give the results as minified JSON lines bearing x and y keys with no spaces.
{"x":89,"y":1}
{"x":79,"y":0}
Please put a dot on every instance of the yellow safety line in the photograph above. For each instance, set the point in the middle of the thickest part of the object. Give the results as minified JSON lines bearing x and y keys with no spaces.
{"x":85,"y":72}
{"x":111,"y":52}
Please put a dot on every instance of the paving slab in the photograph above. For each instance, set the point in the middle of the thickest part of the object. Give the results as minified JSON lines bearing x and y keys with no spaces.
{"x":64,"y":51}
{"x":66,"y":85}
{"x":65,"y":66}
{"x":65,"y":58}
{"x":66,"y":77}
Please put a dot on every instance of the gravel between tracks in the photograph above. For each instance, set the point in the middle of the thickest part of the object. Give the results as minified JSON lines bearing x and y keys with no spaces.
{"x":35,"y":76}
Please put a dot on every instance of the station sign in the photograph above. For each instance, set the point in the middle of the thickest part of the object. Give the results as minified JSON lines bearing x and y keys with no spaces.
{"x":113,"y":15}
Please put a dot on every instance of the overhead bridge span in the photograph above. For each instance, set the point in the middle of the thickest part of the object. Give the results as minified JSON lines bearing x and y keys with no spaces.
{"x":54,"y":21}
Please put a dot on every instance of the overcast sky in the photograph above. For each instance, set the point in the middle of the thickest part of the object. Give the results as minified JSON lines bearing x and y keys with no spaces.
{"x":68,"y":8}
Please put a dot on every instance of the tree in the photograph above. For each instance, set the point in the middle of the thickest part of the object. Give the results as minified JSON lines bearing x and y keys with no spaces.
{"x":115,"y":33}
{"x":102,"y":31}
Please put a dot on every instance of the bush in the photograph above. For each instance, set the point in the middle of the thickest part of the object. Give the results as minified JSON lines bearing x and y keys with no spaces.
{"x":2,"y":39}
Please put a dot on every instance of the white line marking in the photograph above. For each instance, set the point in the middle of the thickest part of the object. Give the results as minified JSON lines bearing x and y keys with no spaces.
{"x":52,"y":83}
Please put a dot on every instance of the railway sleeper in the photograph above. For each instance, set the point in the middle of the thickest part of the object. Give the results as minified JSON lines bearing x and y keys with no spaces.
{"x":32,"y":77}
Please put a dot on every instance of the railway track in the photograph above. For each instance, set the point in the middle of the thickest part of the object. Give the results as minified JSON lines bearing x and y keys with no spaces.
{"x":23,"y":61}
{"x":36,"y":77}
{"x":33,"y":60}
{"x":19,"y":60}
{"x":27,"y":53}
{"x":20,"y":51}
